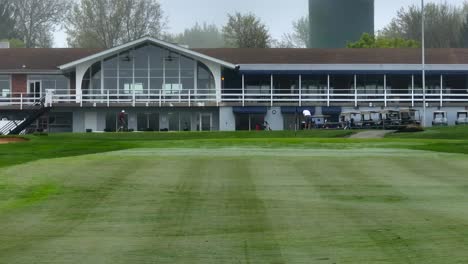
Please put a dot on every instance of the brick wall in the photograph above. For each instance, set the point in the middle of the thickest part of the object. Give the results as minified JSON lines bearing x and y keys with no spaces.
{"x":19,"y":84}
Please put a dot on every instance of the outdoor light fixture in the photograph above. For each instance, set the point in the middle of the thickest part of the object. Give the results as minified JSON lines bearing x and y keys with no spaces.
{"x":126,"y":58}
{"x":170,"y":57}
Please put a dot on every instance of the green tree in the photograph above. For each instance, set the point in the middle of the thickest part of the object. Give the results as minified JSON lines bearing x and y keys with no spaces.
{"x":246,"y":31}
{"x":444,"y":23}
{"x":201,"y":36}
{"x":370,"y":41}
{"x":299,"y":38}
{"x":15,"y":43}
{"x":36,"y":20}
{"x":464,"y":30}
{"x":7,"y":22}
{"x":108,"y":23}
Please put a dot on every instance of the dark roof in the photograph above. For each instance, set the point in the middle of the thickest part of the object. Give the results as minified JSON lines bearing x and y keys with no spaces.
{"x":337,"y":56}
{"x":50,"y":59}
{"x":40,"y":59}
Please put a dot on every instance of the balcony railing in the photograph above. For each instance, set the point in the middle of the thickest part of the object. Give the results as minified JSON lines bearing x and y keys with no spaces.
{"x":240,"y":97}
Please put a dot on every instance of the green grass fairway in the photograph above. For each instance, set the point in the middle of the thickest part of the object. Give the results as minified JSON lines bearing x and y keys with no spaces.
{"x":237,"y":205}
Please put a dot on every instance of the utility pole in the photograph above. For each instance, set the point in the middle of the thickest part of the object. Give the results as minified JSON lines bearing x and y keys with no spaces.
{"x":423,"y":13}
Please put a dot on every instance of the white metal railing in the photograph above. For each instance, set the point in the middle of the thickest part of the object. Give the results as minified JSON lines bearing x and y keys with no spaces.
{"x":193,"y":97}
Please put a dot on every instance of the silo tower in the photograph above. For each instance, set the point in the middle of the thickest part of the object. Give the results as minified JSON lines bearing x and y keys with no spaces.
{"x":334,"y":23}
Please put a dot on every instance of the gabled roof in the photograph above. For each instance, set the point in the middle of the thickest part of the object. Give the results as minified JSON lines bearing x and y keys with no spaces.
{"x":12,"y":60}
{"x":337,"y":56}
{"x":173,"y":47}
{"x":48,"y":60}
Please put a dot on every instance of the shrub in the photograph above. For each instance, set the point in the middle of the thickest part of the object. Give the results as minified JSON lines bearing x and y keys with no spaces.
{"x":411,"y":129}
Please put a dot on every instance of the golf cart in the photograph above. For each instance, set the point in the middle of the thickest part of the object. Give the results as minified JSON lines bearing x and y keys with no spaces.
{"x":319,"y":121}
{"x":370,"y":119}
{"x":462,"y":118}
{"x":440,"y":118}
{"x":410,"y":116}
{"x":348,"y":119}
{"x":391,"y":118}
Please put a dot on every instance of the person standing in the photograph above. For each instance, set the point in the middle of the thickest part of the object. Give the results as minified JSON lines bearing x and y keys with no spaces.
{"x":122,"y":121}
{"x":308,"y":119}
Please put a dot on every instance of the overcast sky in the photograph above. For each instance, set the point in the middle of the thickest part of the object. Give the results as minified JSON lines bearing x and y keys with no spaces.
{"x":277,"y":14}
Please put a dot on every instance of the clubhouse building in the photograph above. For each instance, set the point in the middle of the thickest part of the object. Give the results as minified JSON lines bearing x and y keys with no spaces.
{"x":163,"y":86}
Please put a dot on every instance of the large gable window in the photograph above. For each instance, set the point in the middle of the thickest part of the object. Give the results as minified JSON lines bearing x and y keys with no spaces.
{"x":147,"y":70}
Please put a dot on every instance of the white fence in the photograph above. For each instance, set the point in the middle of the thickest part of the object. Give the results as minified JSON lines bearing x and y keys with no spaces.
{"x":241,"y":97}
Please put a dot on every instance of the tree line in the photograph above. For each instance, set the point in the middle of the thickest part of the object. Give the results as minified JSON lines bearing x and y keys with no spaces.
{"x":108,"y":23}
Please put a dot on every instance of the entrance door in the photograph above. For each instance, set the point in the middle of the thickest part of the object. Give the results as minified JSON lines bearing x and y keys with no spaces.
{"x":249,"y":122}
{"x":206,"y":122}
{"x":35,"y":89}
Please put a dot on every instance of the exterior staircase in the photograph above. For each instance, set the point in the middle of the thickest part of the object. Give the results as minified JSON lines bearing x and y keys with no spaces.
{"x":19,"y":127}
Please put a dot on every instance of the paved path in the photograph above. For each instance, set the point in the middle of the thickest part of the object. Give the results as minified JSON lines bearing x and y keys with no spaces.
{"x":372,"y":134}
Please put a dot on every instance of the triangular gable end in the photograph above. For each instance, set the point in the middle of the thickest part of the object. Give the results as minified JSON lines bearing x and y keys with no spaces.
{"x":173,"y":47}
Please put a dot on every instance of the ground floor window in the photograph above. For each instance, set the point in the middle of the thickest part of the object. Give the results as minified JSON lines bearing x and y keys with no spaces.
{"x":180,"y":121}
{"x":250,"y":122}
{"x":5,"y":86}
{"x":114,"y":124}
{"x":148,"y":121}
{"x":60,"y":122}
{"x":293,"y":121}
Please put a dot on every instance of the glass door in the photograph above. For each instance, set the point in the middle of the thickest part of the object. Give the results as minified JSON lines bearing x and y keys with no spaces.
{"x":206,"y":122}
{"x":35,"y":89}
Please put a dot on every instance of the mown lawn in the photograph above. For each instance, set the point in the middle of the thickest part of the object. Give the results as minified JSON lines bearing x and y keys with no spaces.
{"x":311,"y":197}
{"x":64,"y":145}
{"x":242,"y":205}
{"x":452,"y":132}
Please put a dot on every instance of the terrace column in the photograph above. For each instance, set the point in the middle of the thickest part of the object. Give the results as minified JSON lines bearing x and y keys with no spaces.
{"x":385,"y":90}
{"x":412,"y":90}
{"x":243,"y":90}
{"x":300,"y":90}
{"x":271,"y":90}
{"x":216,"y":71}
{"x":80,"y":73}
{"x":328,"y":90}
{"x":355,"y":91}
{"x":441,"y":90}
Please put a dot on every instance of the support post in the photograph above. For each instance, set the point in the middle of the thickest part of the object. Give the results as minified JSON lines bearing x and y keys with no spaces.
{"x":300,"y":90}
{"x":21,"y":101}
{"x":385,"y":90}
{"x":328,"y":90}
{"x":271,"y":90}
{"x":243,"y":90}
{"x":441,"y":90}
{"x":133,"y":99}
{"x":160,"y":103}
{"x":423,"y":48}
{"x":355,"y":91}
{"x":108,"y":99}
{"x":189,"y":95}
{"x":412,"y":90}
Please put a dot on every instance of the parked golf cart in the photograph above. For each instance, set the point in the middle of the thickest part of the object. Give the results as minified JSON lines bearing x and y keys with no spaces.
{"x":391,"y":119}
{"x":348,"y":119}
{"x":440,"y":118}
{"x":410,"y":116}
{"x":462,"y":118}
{"x":370,"y":119}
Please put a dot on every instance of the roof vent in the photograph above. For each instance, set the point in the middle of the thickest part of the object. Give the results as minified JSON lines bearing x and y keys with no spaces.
{"x":4,"y":45}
